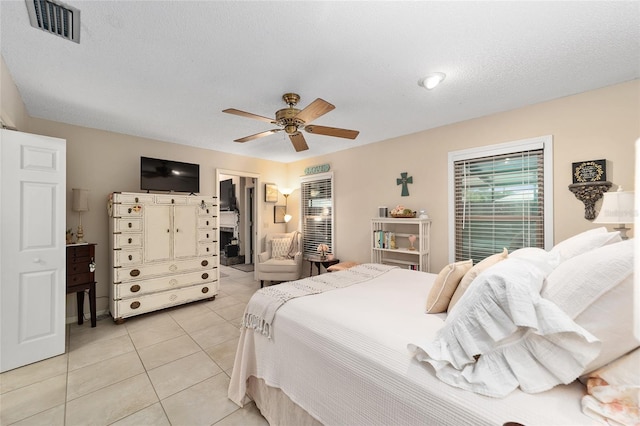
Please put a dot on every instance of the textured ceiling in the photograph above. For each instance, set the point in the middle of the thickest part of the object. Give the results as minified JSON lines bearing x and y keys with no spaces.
{"x":166,"y":69}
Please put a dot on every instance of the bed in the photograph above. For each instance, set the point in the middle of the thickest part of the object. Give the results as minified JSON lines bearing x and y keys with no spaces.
{"x":342,"y":357}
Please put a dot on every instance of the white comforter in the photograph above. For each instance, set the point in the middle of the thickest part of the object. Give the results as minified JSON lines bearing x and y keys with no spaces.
{"x":342,"y":356}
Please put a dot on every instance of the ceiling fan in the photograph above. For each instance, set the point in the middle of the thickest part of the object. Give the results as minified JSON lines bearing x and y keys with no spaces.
{"x":292,"y":121}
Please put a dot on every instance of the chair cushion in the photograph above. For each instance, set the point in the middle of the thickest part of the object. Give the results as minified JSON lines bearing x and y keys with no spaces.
{"x":278,"y":265}
{"x":280,"y":247}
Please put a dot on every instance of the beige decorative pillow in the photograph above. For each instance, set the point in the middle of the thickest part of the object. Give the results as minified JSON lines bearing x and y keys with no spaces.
{"x":468,"y":278}
{"x":280,"y":247}
{"x":445,"y":285}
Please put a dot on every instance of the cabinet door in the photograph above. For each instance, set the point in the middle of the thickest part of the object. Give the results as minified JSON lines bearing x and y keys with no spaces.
{"x":157,"y":233}
{"x":185,"y":224}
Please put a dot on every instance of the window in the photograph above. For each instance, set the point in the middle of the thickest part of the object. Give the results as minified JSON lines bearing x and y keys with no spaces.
{"x":497,"y":198}
{"x":317,"y":212}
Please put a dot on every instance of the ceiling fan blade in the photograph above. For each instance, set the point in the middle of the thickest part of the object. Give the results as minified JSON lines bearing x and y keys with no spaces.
{"x":315,"y":109}
{"x":247,"y":114}
{"x":298,"y":142}
{"x":332,"y":131}
{"x":257,"y":135}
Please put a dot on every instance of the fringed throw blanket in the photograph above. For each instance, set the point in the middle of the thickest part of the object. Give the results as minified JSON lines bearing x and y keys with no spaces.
{"x":263,"y":305}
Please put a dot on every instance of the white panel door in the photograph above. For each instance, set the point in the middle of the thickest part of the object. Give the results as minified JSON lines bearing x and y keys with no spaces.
{"x":32,"y":256}
{"x":185,"y":236}
{"x":157,"y":232}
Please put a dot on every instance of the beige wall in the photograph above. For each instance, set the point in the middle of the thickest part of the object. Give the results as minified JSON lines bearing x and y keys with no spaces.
{"x":12,"y":111}
{"x":593,"y":125}
{"x":598,"y":124}
{"x":104,"y":162}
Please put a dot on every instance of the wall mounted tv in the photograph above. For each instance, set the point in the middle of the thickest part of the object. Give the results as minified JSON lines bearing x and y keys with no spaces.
{"x":167,"y":175}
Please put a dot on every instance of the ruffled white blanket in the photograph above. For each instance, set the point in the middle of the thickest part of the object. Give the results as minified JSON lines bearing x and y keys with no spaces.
{"x":264,"y":303}
{"x":503,"y":334}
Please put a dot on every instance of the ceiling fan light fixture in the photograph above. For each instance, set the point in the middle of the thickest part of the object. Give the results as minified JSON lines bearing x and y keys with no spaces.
{"x":432,"y":80}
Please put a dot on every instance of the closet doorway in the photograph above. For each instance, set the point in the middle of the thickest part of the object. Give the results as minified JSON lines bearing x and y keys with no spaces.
{"x":239,"y":217}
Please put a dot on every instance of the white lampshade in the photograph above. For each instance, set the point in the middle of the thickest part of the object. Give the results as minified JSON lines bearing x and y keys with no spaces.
{"x":617,"y":207}
{"x":80,"y":200}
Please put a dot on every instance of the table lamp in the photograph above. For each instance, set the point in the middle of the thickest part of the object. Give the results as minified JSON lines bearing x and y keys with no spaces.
{"x":617,"y":207}
{"x":80,"y":204}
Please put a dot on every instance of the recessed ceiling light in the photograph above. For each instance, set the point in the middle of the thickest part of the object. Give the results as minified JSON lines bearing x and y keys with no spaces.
{"x":431,"y":80}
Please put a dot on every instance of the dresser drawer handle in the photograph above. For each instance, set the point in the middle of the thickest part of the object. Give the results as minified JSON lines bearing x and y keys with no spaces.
{"x":207,"y":249}
{"x":130,"y":224}
{"x":205,"y":276}
{"x":135,"y":305}
{"x":207,"y":223}
{"x":136,"y":199}
{"x":129,"y":210}
{"x":205,"y":289}
{"x":130,"y":257}
{"x":204,"y":262}
{"x":207,"y":235}
{"x":134,"y":272}
{"x":172,"y":201}
{"x":135,"y":288}
{"x":207,"y":210}
{"x":130,"y":240}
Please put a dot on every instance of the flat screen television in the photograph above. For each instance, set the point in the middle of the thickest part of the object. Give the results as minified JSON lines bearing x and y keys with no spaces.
{"x":227,"y":198}
{"x":167,"y":175}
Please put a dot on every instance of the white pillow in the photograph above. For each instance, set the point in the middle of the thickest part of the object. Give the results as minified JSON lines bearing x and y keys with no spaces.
{"x":596,"y":290}
{"x":545,"y":260}
{"x":503,"y":335}
{"x":280,"y":247}
{"x":584,"y":242}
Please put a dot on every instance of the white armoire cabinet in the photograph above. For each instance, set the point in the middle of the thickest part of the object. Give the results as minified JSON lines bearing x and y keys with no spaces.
{"x":164,"y":251}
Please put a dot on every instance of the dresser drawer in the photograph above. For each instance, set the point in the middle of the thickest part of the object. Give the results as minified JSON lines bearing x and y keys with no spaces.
{"x":74,"y":279}
{"x":127,"y":257}
{"x":127,"y":225}
{"x":78,"y":267}
{"x":207,"y":248}
{"x":127,"y":210}
{"x":171,"y":199}
{"x":206,"y":235}
{"x":154,"y":301}
{"x":127,"y":240}
{"x":154,"y":285}
{"x":207,"y":222}
{"x":151,"y":270}
{"x":127,"y":198}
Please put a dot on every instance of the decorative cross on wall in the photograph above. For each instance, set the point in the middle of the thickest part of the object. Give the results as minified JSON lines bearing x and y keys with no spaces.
{"x":404,"y":180}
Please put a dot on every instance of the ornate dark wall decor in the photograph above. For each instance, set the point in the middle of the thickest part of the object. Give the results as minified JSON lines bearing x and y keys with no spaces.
{"x":589,"y":171}
{"x":589,"y":193}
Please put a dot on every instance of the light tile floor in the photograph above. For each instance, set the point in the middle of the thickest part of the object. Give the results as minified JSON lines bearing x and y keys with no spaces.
{"x":165,"y":368}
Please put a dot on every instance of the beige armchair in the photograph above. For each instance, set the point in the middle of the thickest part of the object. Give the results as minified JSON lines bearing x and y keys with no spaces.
{"x":282,"y":258}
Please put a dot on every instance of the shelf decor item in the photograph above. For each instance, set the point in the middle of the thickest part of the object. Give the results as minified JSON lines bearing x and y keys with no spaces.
{"x":401,"y":211}
{"x":412,"y":240}
{"x":323,"y":249}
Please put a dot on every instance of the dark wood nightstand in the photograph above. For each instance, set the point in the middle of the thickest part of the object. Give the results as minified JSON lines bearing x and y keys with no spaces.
{"x":327,"y":261}
{"x":81,"y":276}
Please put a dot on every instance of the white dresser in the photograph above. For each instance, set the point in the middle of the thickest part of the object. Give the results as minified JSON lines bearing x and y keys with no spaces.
{"x":164,"y":251}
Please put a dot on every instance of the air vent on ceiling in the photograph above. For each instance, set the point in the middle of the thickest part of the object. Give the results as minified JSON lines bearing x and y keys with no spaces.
{"x":55,"y":18}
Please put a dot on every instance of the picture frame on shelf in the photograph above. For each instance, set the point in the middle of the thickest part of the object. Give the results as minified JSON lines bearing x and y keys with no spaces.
{"x":278,"y":214}
{"x":270,"y":192}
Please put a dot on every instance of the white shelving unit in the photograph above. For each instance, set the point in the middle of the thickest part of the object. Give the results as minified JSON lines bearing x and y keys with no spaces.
{"x":384,"y":230}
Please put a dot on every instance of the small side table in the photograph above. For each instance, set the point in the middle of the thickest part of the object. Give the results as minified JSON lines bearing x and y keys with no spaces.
{"x":81,"y":276}
{"x":317,"y":260}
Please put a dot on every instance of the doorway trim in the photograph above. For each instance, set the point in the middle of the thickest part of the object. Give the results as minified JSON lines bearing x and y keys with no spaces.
{"x":257,"y":222}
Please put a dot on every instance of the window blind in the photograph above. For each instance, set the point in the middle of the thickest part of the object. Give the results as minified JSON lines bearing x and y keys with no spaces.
{"x":317,"y":214}
{"x":499,"y":202}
